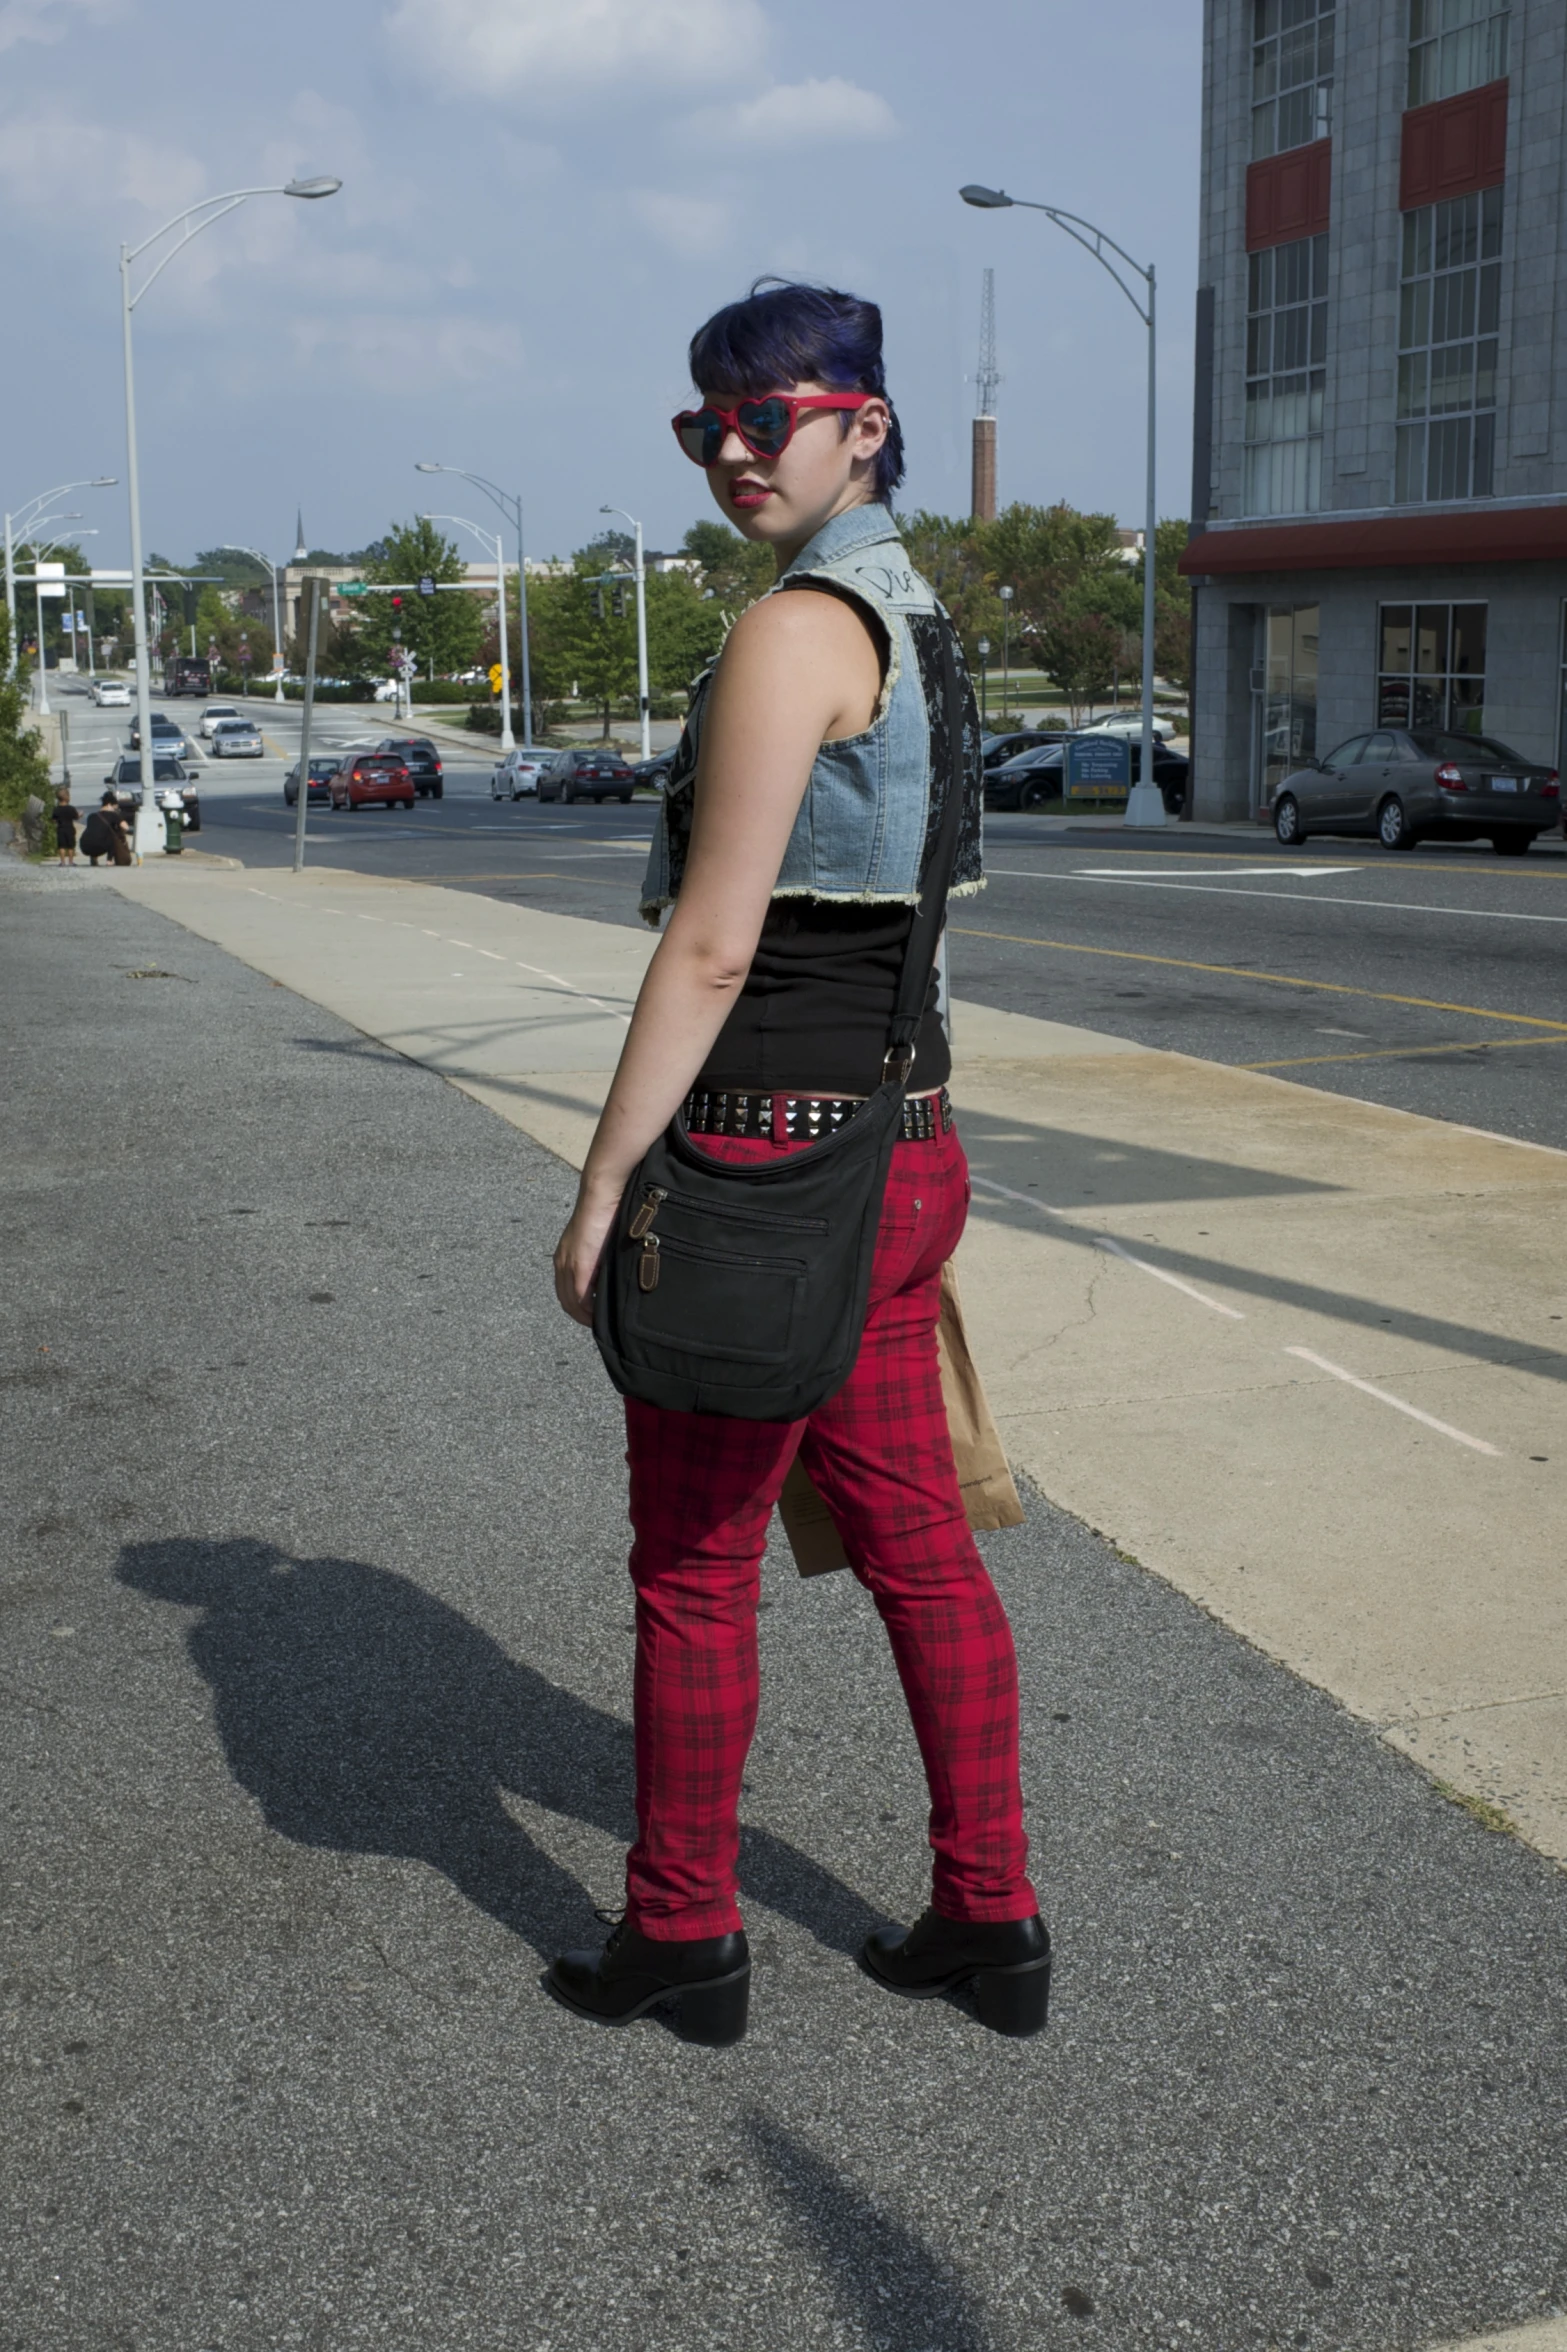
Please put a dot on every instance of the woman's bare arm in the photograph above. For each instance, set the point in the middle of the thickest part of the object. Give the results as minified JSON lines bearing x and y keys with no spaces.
{"x":797,"y":670}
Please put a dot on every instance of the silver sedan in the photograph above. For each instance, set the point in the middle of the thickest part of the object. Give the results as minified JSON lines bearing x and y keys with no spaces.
{"x":1404,"y":785}
{"x":237,"y":739}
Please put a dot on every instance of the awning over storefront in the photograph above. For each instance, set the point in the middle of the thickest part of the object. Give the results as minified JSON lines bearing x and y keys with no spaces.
{"x":1471,"y":535}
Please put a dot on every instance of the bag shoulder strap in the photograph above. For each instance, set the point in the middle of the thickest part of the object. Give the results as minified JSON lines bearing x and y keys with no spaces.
{"x":919,"y":956}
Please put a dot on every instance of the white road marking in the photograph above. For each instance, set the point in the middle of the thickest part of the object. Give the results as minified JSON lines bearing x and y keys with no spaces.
{"x":572,"y":989}
{"x":1103,"y":1241}
{"x":1212,"y":873}
{"x":1398,"y":906}
{"x":1383,"y":1397}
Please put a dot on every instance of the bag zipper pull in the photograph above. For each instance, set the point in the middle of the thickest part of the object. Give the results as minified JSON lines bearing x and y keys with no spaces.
{"x":647,"y":1264}
{"x":652,"y":1201}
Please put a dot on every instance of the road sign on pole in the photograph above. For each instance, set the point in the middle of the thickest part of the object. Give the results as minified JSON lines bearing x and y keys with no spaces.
{"x":427,"y":583}
{"x":495,"y":677}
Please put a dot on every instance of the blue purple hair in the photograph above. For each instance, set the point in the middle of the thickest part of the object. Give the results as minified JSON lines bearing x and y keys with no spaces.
{"x":784,"y":333}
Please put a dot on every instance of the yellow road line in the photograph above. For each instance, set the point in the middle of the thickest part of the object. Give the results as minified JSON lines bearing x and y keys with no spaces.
{"x":1401,"y":1053}
{"x":1130,"y":955}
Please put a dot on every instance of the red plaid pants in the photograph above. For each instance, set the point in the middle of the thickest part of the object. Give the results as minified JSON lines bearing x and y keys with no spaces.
{"x":703,"y":1487}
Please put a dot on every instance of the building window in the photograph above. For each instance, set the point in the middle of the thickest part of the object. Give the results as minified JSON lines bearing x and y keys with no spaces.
{"x":1286,"y":346}
{"x":1431,"y":671}
{"x":1291,"y":74}
{"x":1454,"y":45}
{"x":1450,"y":303}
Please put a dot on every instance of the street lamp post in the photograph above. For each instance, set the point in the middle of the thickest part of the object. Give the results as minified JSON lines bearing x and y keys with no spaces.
{"x":190,"y":223}
{"x":983,"y":650}
{"x":24,"y":519}
{"x":511,"y":507}
{"x":1006,"y":649}
{"x":38,"y":543}
{"x":642,"y":693}
{"x":508,"y":739}
{"x":1145,"y":802}
{"x":235,"y":547}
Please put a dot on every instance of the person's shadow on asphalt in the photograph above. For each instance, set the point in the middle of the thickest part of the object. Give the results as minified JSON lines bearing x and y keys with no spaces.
{"x":365,"y":1716}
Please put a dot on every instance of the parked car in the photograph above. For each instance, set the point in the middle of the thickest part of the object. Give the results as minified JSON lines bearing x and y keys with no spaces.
{"x":387,"y":691}
{"x":111,"y":694}
{"x":215,"y":713}
{"x":586,"y":775}
{"x":166,"y":736}
{"x":1036,"y":777}
{"x":1028,"y":780}
{"x":1421,"y":784}
{"x":1129,"y":723}
{"x":996,"y":750}
{"x":420,"y":757}
{"x":361,"y":777}
{"x":653,"y":774}
{"x":321,"y":773}
{"x":517,"y":775}
{"x":237,"y":739}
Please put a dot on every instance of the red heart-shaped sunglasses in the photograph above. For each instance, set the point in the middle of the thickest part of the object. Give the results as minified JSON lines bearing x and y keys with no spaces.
{"x":765,"y":426}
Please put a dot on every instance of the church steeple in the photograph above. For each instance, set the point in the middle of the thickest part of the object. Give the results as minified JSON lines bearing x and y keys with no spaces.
{"x":301,"y":551}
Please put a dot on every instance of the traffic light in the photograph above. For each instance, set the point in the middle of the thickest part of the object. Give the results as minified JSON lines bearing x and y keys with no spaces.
{"x":598,"y":602}
{"x":620,"y":600}
{"x":190,"y":604}
{"x":397,"y":604}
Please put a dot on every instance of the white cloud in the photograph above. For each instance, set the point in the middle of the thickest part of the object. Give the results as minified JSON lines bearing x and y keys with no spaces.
{"x":372,"y":348}
{"x":104,"y":168}
{"x":798,"y":114}
{"x":508,"y":47}
{"x":50,"y":20}
{"x":687,"y":225}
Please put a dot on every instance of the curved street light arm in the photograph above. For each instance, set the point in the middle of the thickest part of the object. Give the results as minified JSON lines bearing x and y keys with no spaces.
{"x":510,"y":505}
{"x":1095,"y":241}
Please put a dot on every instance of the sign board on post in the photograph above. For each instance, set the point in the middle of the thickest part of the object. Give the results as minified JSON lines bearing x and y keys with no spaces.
{"x":1098,"y":767}
{"x":495,"y":677}
{"x":427,"y":583}
{"x":50,"y":578}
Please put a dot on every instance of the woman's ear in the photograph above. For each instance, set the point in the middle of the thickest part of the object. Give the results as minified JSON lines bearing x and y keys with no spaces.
{"x":872,"y":424}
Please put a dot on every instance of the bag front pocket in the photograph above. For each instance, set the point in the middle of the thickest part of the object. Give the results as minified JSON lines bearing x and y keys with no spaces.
{"x":715,"y":1303}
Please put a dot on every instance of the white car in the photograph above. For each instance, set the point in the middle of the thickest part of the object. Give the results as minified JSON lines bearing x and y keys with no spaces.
{"x":517,"y":775}
{"x":237,"y":739}
{"x":111,"y":694}
{"x":1128,"y":723}
{"x":387,"y":691}
{"x":214,"y":715}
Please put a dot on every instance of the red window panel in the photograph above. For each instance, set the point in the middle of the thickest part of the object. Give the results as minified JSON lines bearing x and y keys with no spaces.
{"x":1288,"y":195}
{"x":1454,"y":146}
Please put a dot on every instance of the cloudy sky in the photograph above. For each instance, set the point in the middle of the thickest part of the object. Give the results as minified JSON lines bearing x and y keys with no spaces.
{"x":541,"y":199}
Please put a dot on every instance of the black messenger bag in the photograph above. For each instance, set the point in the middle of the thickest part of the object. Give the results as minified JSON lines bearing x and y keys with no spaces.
{"x":743,"y":1290}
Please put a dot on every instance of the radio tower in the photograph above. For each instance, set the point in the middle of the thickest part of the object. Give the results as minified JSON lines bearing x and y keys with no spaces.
{"x":983,"y":501}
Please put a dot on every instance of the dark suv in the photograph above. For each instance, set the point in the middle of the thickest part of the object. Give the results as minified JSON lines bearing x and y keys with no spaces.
{"x":587,"y":775}
{"x":423,"y":762}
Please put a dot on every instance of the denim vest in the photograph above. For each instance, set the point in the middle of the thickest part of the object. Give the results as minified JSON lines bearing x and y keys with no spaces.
{"x":874,"y":800}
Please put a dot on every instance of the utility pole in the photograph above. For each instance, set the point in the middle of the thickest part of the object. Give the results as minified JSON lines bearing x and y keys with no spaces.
{"x":982,"y":501}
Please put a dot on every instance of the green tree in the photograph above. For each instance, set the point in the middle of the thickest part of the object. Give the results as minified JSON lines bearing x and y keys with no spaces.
{"x":24,"y":771}
{"x":952,"y":556}
{"x":443,"y":631}
{"x":1172,"y":628}
{"x":1080,"y":651}
{"x":735,"y":570}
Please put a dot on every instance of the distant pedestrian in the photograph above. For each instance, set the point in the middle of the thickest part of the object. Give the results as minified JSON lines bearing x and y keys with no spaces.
{"x":827,"y":786}
{"x":66,"y":820}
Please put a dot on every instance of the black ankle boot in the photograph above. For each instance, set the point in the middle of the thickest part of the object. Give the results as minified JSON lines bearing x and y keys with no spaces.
{"x":706,"y":1978}
{"x":1007,"y":1961}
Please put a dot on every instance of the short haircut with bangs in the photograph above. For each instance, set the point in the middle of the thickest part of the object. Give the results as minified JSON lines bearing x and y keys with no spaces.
{"x":783,"y":334}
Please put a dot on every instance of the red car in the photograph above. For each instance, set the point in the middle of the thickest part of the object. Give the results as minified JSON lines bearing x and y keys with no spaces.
{"x":365,"y":776}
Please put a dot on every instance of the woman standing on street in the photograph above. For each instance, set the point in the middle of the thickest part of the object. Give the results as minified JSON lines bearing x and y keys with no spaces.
{"x":796,"y":828}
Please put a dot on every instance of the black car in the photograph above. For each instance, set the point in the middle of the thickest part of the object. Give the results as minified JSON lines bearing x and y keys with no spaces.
{"x":996,"y":750}
{"x":1035,"y":778}
{"x":587,"y":775}
{"x":321,"y":773}
{"x":166,"y":736}
{"x":654,"y":772}
{"x":423,"y":762}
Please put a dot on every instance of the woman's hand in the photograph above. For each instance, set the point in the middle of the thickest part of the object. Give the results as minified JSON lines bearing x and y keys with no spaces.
{"x":579,"y":1249}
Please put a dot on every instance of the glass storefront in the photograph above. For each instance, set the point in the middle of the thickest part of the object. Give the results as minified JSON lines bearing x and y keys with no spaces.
{"x":1287,"y":716}
{"x":1431,"y":667}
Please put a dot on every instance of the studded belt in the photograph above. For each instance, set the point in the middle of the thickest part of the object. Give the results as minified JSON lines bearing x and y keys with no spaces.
{"x":802,"y":1118}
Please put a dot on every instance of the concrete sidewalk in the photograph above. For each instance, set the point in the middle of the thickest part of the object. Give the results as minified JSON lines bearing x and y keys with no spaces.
{"x":1302,"y":1356}
{"x":315,"y":1744}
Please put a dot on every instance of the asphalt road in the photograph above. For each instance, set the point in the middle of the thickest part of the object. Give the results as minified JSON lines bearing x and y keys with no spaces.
{"x":315,"y":1745}
{"x":1434,"y":982}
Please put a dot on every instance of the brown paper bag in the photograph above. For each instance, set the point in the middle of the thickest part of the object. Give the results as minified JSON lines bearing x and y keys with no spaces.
{"x":989,"y":1496}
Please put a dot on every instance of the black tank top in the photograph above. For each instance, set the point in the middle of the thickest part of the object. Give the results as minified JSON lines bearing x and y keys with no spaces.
{"x":812,"y":1016}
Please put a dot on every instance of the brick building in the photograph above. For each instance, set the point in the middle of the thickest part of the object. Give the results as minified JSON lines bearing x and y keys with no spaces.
{"x":1379,"y":493}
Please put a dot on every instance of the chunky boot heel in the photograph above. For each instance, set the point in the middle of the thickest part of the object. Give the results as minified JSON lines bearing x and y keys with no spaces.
{"x":1014,"y":2000}
{"x":714,"y":2014}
